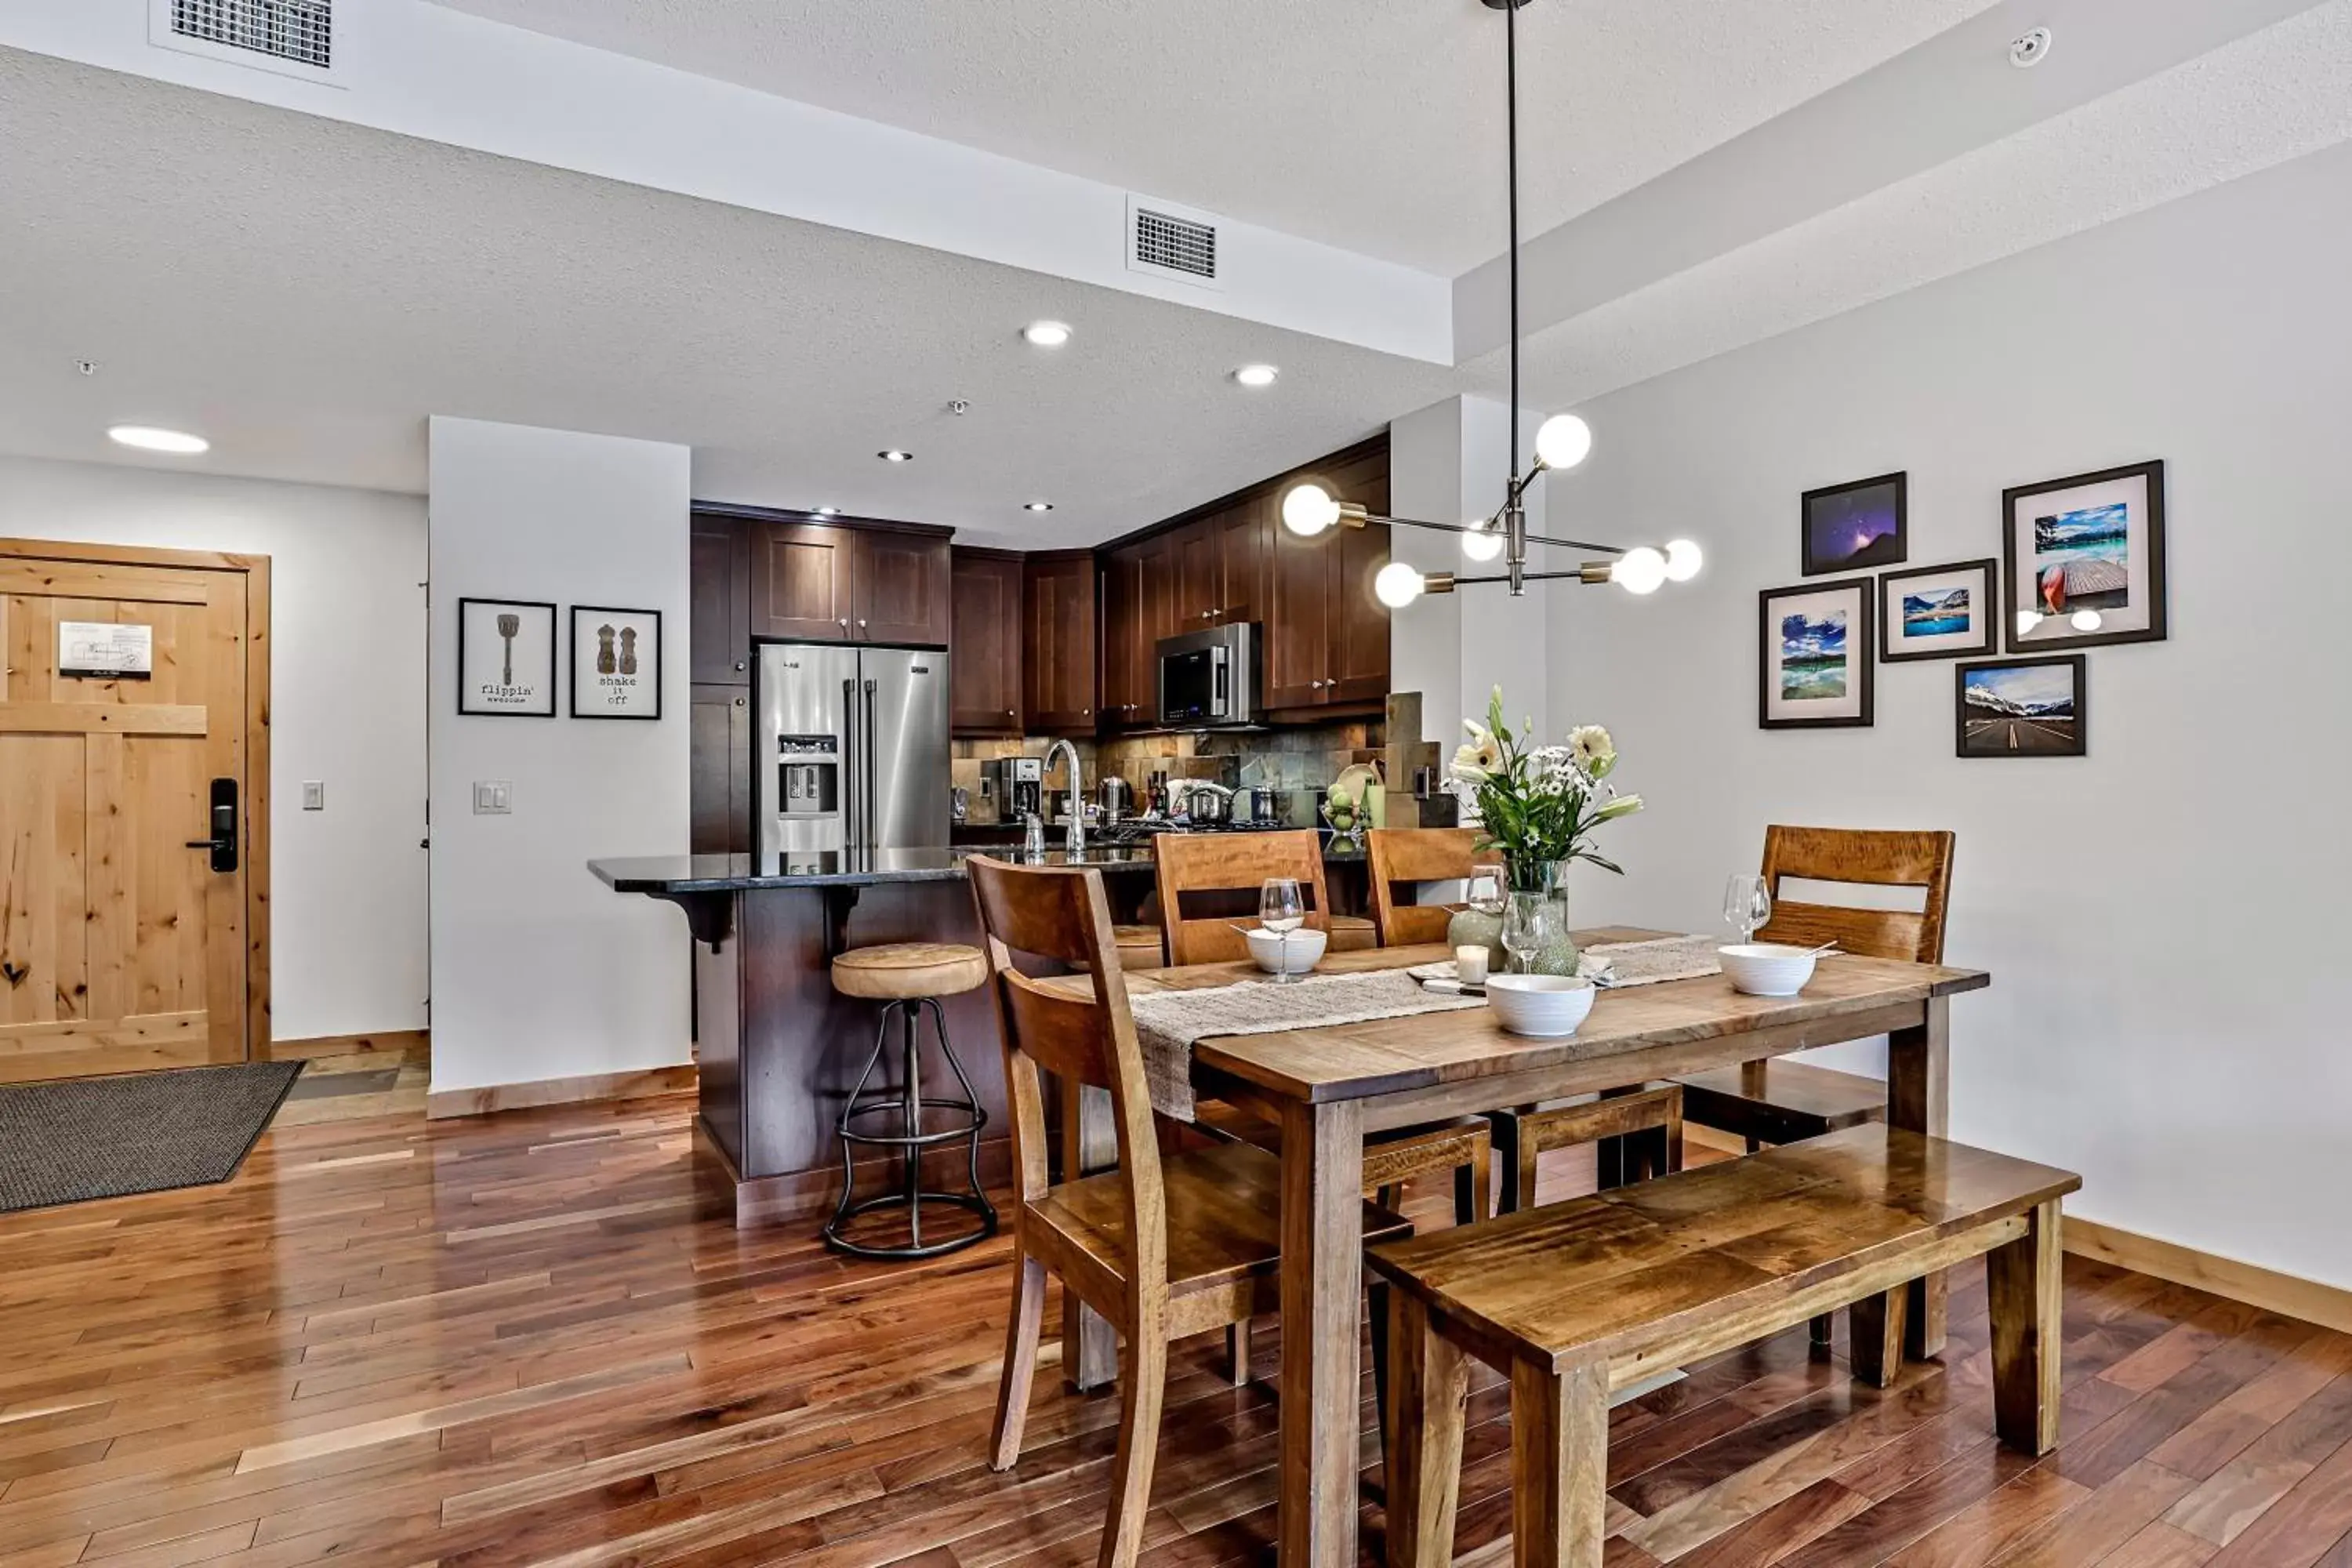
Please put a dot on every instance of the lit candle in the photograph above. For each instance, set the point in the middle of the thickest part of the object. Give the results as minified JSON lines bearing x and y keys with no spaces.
{"x":1470,"y":965}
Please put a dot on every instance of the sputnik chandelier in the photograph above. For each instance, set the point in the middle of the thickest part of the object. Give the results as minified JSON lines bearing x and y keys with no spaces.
{"x":1562,"y":442}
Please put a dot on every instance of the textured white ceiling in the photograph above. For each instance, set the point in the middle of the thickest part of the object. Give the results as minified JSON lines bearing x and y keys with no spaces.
{"x":306,"y":292}
{"x":1376,"y":125}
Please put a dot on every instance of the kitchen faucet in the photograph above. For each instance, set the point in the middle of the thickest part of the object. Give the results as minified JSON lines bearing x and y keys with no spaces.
{"x":1074,"y":842}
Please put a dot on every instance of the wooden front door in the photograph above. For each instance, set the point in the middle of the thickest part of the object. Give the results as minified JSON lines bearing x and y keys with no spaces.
{"x":121,"y":947}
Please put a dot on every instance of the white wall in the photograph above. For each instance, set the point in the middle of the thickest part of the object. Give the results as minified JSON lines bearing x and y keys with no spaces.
{"x":2165,"y":920}
{"x":347,"y":689}
{"x":539,"y":970}
{"x":1449,"y":463}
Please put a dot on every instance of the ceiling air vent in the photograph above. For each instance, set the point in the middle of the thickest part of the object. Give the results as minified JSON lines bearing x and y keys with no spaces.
{"x":293,"y":36}
{"x":1173,"y":241}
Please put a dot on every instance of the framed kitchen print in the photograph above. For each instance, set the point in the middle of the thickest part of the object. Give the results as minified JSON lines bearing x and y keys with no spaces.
{"x":2085,"y":560}
{"x":2024,"y":708}
{"x":1853,"y":527}
{"x":506,"y":657}
{"x":1817,"y":647}
{"x":1939,"y":612}
{"x":615,"y":663}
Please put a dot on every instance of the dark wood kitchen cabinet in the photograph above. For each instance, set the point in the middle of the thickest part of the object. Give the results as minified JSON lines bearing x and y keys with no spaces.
{"x":1058,"y":649}
{"x":1216,"y":564}
{"x":824,"y":582}
{"x":984,"y":655}
{"x":720,"y":778}
{"x":1327,"y":637}
{"x":719,"y":604}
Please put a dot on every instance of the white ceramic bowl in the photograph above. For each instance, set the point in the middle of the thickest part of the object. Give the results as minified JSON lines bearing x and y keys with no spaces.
{"x":1306,"y":950}
{"x":1544,"y":1006}
{"x":1766,"y":968}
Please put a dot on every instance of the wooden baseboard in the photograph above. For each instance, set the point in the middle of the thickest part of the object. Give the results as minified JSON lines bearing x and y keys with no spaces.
{"x":440,"y":1104}
{"x":2286,"y":1294}
{"x":388,"y":1041}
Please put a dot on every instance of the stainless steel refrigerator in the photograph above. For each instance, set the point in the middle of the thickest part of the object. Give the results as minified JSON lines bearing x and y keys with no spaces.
{"x":851,"y":751}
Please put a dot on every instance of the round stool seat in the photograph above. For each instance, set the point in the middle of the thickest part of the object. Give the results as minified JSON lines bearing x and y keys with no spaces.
{"x":905,"y":971}
{"x":1353,"y":934}
{"x":1139,"y":947}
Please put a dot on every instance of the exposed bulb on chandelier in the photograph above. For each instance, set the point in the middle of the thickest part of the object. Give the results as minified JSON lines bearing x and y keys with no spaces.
{"x":1562,"y":441}
{"x":1640,"y":570}
{"x":1308,"y":509}
{"x":1398,"y":584}
{"x":1683,"y":558}
{"x":1482,"y":543}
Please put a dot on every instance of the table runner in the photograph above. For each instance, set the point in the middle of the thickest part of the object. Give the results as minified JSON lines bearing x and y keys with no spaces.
{"x":1651,"y":961}
{"x":1168,"y":1023}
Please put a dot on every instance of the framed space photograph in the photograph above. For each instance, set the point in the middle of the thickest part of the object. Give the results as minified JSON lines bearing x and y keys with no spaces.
{"x":1816,"y":649}
{"x":2024,"y":708}
{"x":506,"y":657}
{"x":615,"y":663}
{"x":2084,"y":560}
{"x":1853,"y":527}
{"x":1939,"y":612}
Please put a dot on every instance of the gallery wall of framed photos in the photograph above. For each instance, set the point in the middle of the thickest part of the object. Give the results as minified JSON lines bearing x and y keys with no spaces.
{"x":2082,"y":565}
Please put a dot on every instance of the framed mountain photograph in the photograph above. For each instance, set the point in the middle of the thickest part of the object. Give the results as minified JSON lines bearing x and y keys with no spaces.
{"x":1855,"y":526}
{"x":2085,"y":560}
{"x":1816,"y":651}
{"x":2024,"y":708}
{"x":1938,"y":612}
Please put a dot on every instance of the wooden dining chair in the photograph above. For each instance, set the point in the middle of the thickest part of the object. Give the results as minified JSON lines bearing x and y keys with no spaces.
{"x":1406,"y":857}
{"x":1230,"y":868}
{"x":1163,"y":1247}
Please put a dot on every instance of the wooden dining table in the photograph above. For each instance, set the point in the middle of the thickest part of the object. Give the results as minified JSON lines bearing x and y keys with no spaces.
{"x":1329,"y":1086}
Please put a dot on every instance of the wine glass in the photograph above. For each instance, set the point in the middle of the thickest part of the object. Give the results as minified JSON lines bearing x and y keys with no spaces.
{"x":1484,"y":892}
{"x":1529,"y":925}
{"x":1747,"y":903}
{"x":1281,"y":908}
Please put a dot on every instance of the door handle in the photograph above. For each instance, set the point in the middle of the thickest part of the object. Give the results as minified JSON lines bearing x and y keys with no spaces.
{"x":223,"y":818}
{"x":873,"y":801}
{"x":852,"y":826}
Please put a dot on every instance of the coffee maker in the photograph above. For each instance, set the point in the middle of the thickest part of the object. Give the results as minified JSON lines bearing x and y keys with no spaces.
{"x":1019,"y":785}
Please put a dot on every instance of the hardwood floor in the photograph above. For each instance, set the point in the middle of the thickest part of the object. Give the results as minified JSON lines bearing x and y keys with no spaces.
{"x":527,"y":1340}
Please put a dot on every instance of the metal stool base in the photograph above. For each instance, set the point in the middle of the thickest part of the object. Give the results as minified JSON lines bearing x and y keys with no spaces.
{"x":908,"y":1103}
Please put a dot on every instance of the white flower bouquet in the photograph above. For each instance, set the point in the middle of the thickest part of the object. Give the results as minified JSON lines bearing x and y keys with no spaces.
{"x":1537,"y":805}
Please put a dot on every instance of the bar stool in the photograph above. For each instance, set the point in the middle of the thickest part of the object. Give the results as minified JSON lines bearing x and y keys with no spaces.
{"x":909,"y":979}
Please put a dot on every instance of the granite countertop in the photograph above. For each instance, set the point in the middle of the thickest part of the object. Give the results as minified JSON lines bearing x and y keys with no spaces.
{"x":667,"y":875}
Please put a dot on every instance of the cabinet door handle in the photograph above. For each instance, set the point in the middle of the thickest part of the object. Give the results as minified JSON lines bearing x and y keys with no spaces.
{"x":738,"y":664}
{"x":845,"y":623}
{"x":861,"y":625}
{"x":739,"y":702}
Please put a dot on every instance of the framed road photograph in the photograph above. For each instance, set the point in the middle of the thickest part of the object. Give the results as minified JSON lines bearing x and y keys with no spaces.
{"x":2085,"y":560}
{"x":506,"y":657}
{"x":1816,"y":647}
{"x":615,"y":663}
{"x":1853,"y":527}
{"x":1938,"y":612}
{"x":2024,"y":708}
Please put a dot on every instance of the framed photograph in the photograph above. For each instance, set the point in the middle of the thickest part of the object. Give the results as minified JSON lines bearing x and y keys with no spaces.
{"x":1816,"y":647}
{"x":2024,"y":708}
{"x":506,"y":657}
{"x":2085,"y":560}
{"x":615,"y":663}
{"x":1938,"y":612}
{"x":1853,"y":527}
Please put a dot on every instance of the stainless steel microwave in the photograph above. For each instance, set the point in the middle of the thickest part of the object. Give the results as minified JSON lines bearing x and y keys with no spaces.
{"x":1210,"y":679}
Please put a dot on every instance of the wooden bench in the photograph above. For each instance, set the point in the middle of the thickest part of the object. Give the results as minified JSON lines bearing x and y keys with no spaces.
{"x":1579,"y":1300}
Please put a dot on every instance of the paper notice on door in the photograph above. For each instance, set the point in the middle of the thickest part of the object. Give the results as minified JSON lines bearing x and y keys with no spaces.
{"x":105,"y":650}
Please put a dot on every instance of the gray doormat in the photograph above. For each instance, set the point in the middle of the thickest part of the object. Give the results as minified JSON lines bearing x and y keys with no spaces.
{"x":78,"y":1139}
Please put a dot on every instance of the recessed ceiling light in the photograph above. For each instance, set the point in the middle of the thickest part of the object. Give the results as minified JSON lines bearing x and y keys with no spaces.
{"x":1038,"y":506}
{"x":892,"y":455}
{"x":828,"y":512}
{"x":1046,"y":334}
{"x":148,"y":438}
{"x":1256,"y":375}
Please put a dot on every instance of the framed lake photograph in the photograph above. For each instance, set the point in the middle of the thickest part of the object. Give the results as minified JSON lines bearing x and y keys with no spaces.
{"x":615,"y":663}
{"x":1852,"y":527}
{"x":506,"y":657}
{"x":1938,"y":612}
{"x":2084,"y":560}
{"x":1816,"y":651}
{"x":2024,"y":708}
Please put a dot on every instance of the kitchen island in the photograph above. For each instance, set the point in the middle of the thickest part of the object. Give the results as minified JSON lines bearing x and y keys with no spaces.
{"x":777,"y":1050}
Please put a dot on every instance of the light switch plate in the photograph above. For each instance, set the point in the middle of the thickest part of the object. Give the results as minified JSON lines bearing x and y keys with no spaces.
{"x":314,"y":795}
{"x":493,"y":797}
